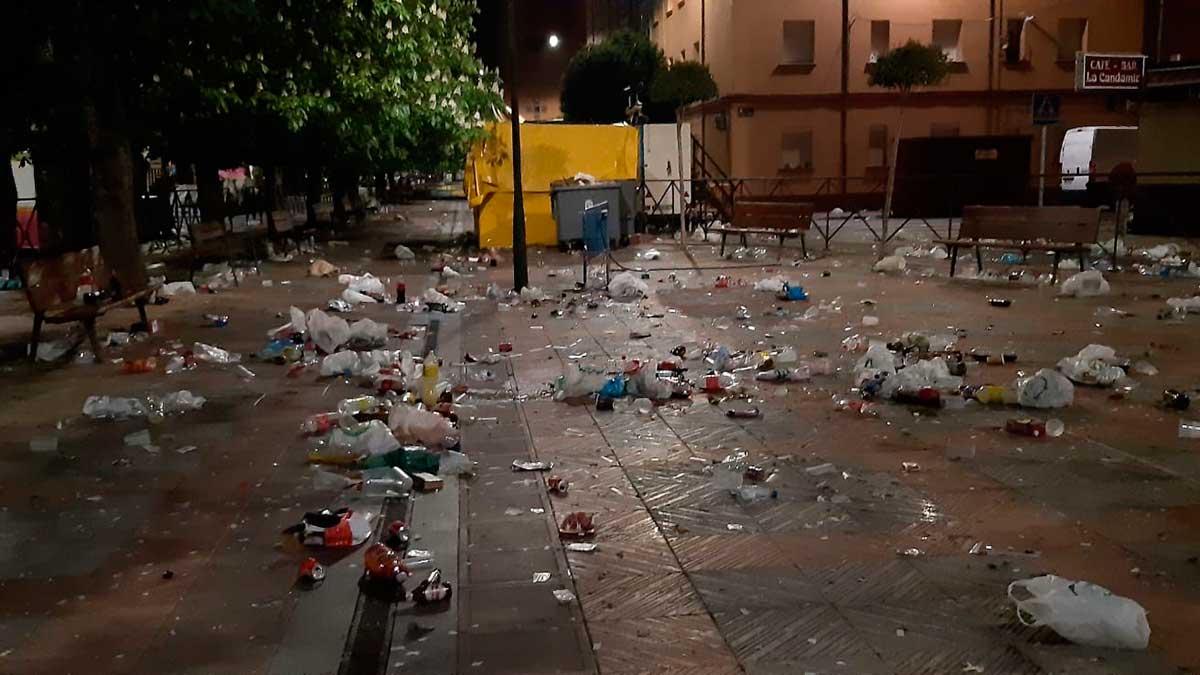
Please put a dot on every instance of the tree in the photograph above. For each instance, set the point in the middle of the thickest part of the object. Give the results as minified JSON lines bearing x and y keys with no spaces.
{"x":602,"y":78}
{"x":904,"y":69}
{"x":677,"y":86}
{"x":363,"y":83}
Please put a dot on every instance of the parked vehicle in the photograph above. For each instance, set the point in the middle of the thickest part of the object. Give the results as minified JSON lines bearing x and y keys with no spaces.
{"x":1089,"y":152}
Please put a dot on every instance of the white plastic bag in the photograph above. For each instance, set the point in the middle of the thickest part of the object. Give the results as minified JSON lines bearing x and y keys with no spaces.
{"x":1085,"y":285}
{"x":576,"y":382}
{"x":929,"y":373}
{"x":1082,"y":612}
{"x":403,"y":252}
{"x":434,"y":297}
{"x":625,"y":286}
{"x":367,"y":334}
{"x":112,"y":407}
{"x":422,"y":426}
{"x":772,"y":285}
{"x":366,"y":284}
{"x":371,"y":438}
{"x":455,"y":464}
{"x":1044,"y":389}
{"x":299,"y":325}
{"x":891,"y":263}
{"x":328,"y":332}
{"x":356,"y":298}
{"x":1092,"y":365}
{"x":177,"y":288}
{"x":533,"y":294}
{"x":646,"y":383}
{"x":878,"y":359}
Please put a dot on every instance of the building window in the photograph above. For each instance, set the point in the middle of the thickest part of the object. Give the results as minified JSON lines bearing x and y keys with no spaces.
{"x":877,"y":145}
{"x":946,"y":34}
{"x":796,"y":151}
{"x":798,"y":42}
{"x":1016,"y":48}
{"x":881,"y":36}
{"x":1072,"y":37}
{"x":942,"y":129}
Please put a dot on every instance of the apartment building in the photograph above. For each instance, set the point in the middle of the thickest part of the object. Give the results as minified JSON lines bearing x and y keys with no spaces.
{"x":793,"y":75}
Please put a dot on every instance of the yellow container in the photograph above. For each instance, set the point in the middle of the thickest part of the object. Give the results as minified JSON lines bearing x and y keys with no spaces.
{"x":549,"y":152}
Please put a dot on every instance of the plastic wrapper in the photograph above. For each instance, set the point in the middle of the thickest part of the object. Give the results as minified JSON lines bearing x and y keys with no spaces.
{"x":577,"y":381}
{"x":211,"y":354}
{"x":646,"y":383}
{"x":626,"y":286}
{"x":433,"y":297}
{"x":367,"y":334}
{"x":364,"y":438}
{"x":456,"y":464}
{"x":177,"y":288}
{"x":878,"y":359}
{"x":403,"y":252}
{"x":891,"y":263}
{"x":333,"y":529}
{"x":1081,"y":612}
{"x":114,"y":407}
{"x":328,"y":332}
{"x":321,"y":268}
{"x":933,"y":373}
{"x":1085,"y":285}
{"x":772,"y":285}
{"x":386,"y":481}
{"x":1092,"y":365}
{"x":425,"y":427}
{"x":1185,"y":305}
{"x":533,"y":294}
{"x":356,"y":297}
{"x":1044,"y":389}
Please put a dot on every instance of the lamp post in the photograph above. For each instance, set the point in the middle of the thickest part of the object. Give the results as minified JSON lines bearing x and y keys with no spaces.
{"x":520,"y":259}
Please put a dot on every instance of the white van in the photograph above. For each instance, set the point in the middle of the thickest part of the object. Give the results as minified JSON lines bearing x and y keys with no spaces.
{"x":1094,"y":151}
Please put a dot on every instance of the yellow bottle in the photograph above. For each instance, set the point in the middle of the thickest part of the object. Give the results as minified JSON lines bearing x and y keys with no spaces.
{"x":990,"y":393}
{"x":429,"y":380}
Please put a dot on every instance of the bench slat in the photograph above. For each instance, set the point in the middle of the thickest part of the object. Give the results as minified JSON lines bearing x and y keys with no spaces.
{"x":771,"y":216}
{"x":1071,"y":224}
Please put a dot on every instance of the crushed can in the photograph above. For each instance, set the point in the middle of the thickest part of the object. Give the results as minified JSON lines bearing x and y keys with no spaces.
{"x":1026,"y":427}
{"x":311,"y":571}
{"x":1173,"y":399}
{"x":743,"y":414}
{"x":557,"y":485}
{"x":1000,"y":302}
{"x":216,"y":320}
{"x":712,"y":382}
{"x":722,"y":281}
{"x":401,"y":293}
{"x":505,"y":347}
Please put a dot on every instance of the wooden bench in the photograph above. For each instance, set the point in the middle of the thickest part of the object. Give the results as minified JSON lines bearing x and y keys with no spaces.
{"x":212,"y":242}
{"x":778,"y":219}
{"x":50,"y":285}
{"x":1052,"y":229}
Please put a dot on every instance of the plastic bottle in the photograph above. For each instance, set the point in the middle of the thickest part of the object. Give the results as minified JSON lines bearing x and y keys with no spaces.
{"x":429,"y":380}
{"x":388,"y":481}
{"x":1189,"y":429}
{"x":321,"y":423}
{"x":991,"y":393}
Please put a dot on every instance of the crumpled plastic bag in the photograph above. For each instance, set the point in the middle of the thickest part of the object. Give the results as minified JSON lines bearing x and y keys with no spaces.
{"x":625,"y":286}
{"x":367,"y":334}
{"x":115,"y":407}
{"x":772,"y":285}
{"x":533,"y":294}
{"x":299,"y":324}
{"x":366,"y":284}
{"x":333,"y":529}
{"x":356,"y":298}
{"x":891,"y":263}
{"x":403,"y":252}
{"x":928,"y":373}
{"x":211,"y":354}
{"x":878,"y":359}
{"x":1159,"y":252}
{"x":328,"y":332}
{"x":177,"y":402}
{"x":1046,"y":388}
{"x":456,"y":464}
{"x":56,"y":349}
{"x":365,"y":363}
{"x":321,"y":268}
{"x":1085,"y":285}
{"x":434,"y":297}
{"x":577,"y":381}
{"x":1092,"y":365}
{"x":176,"y":288}
{"x":1082,"y":612}
{"x":429,"y":428}
{"x":364,"y":438}
{"x":646,"y":383}
{"x":1185,"y":305}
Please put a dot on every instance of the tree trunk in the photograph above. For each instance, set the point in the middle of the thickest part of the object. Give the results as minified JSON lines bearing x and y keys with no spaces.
{"x":267,"y":198}
{"x":339,"y":199}
{"x":380,"y":188}
{"x":312,"y":195}
{"x":112,"y":184}
{"x":357,"y":207}
{"x":61,"y":180}
{"x":891,"y":182}
{"x":208,"y":192}
{"x":8,"y":205}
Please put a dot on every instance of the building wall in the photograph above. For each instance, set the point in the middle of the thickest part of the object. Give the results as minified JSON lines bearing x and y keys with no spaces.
{"x":764,"y":99}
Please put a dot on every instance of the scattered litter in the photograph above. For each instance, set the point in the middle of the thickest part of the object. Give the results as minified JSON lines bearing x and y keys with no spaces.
{"x":564,"y":596}
{"x":321,"y":268}
{"x":1044,"y":389}
{"x":626,"y":286}
{"x":1189,"y":429}
{"x":581,"y":547}
{"x":577,"y":524}
{"x":1085,"y":285}
{"x":772,"y":285}
{"x":403,"y":252}
{"x":650,"y":254}
{"x":174,"y":288}
{"x":541,"y":577}
{"x":821,"y":469}
{"x":1081,"y":612}
{"x":1093,"y":365}
{"x":521,"y":465}
{"x":891,"y":263}
{"x":910,"y":467}
{"x":211,"y":354}
{"x":869,"y":321}
{"x":185,"y":449}
{"x":342,"y":528}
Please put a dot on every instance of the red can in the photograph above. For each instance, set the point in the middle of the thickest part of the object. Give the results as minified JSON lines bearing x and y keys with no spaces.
{"x":712,"y":382}
{"x":557,"y":485}
{"x":505,"y":347}
{"x":722,"y":281}
{"x":1026,"y":427}
{"x":311,"y":570}
{"x":401,"y":293}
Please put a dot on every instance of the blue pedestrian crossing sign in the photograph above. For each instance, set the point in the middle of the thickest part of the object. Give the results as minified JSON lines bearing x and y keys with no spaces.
{"x":1046,"y":108}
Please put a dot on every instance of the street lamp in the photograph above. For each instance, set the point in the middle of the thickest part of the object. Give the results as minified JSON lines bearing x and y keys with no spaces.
{"x":553,"y":41}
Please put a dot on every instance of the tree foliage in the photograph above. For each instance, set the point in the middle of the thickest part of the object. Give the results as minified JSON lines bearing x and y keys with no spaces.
{"x":601,"y":78}
{"x":678,"y":85}
{"x":910,"y":66}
